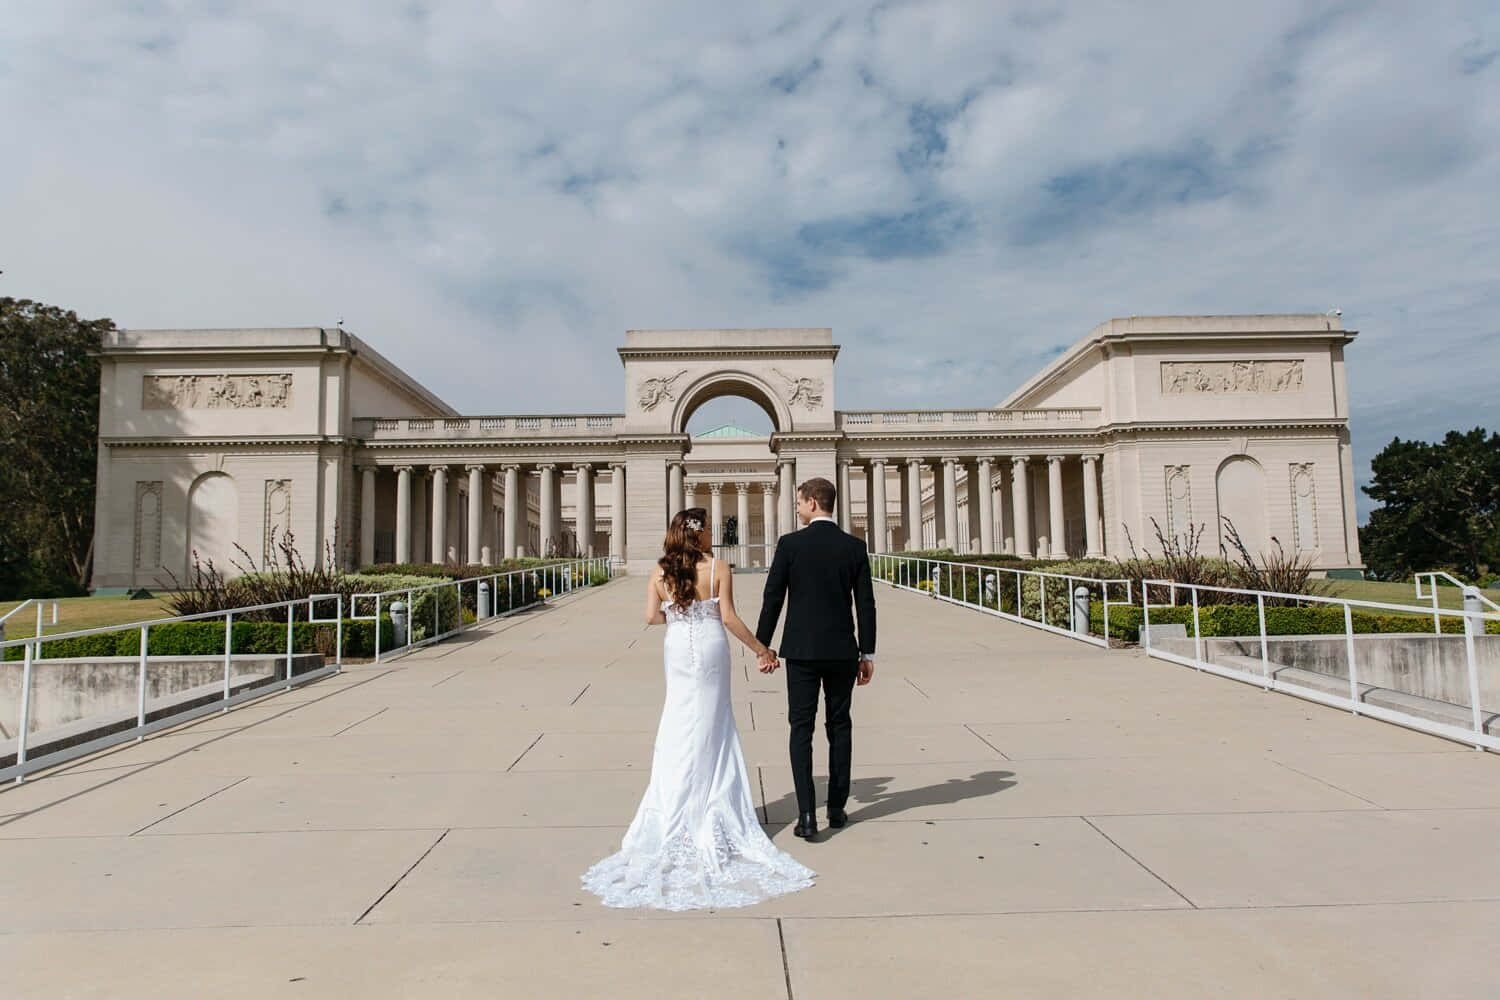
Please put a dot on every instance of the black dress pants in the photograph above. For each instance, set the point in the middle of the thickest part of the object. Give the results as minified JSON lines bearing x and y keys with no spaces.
{"x":803,"y":679}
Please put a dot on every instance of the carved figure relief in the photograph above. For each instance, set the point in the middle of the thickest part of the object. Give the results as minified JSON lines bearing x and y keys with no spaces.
{"x":278,"y":516}
{"x":1304,"y":507}
{"x":1179,"y":501}
{"x":654,"y":390}
{"x":1184,"y":378}
{"x":147,"y":525}
{"x":214,"y":392}
{"x":808,"y":391}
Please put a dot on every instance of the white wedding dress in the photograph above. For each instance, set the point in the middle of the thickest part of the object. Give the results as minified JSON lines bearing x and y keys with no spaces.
{"x":696,"y":842}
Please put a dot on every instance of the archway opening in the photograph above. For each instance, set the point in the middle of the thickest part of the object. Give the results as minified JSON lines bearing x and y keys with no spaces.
{"x":1241,"y":487}
{"x":730,"y":470}
{"x":213,"y":521}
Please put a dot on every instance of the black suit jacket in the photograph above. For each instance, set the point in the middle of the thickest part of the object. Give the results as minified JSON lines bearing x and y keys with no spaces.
{"x":818,"y":573}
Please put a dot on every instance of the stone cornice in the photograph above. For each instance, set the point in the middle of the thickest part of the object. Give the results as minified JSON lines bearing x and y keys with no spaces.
{"x":228,"y":442}
{"x":830,"y":352}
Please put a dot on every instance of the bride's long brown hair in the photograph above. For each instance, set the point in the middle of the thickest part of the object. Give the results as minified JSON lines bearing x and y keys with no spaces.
{"x":679,"y":561}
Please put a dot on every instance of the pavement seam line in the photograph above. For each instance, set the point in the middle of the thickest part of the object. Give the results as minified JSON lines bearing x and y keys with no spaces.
{"x":174,"y":730}
{"x":174,"y":812}
{"x":526,"y":751}
{"x":580,"y":694}
{"x":786,"y":968}
{"x":1330,"y":784}
{"x":445,"y":680}
{"x":402,"y":877}
{"x":1138,"y":861}
{"x":987,"y":743}
{"x":913,"y":683}
{"x":351,"y":725}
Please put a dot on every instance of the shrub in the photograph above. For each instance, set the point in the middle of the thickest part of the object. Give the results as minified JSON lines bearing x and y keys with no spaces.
{"x":206,"y":638}
{"x":1219,"y":620}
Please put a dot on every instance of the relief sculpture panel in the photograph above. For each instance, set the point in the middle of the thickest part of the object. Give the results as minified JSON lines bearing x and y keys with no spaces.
{"x":1184,"y":378}
{"x":213,"y":392}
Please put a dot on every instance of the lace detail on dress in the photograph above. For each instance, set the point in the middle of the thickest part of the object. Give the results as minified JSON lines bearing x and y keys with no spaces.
{"x":714,"y":870}
{"x":698,"y":611}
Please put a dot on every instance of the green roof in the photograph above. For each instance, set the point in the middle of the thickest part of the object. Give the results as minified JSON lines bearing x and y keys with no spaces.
{"x":727,"y":431}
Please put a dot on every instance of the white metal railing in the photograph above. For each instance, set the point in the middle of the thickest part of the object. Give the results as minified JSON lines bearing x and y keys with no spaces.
{"x":1010,"y":593}
{"x":147,"y":720}
{"x":1266,"y":674}
{"x":523,"y":589}
{"x":751,"y":555}
{"x":39,"y":603}
{"x":1431,"y":592}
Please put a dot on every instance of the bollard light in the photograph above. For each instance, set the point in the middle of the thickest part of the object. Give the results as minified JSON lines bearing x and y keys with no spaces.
{"x":1081,"y":610}
{"x":482,"y":602}
{"x":398,"y":622}
{"x":991,"y":587}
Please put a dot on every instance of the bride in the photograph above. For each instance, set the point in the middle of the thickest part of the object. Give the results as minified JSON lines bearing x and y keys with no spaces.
{"x":696,"y":842}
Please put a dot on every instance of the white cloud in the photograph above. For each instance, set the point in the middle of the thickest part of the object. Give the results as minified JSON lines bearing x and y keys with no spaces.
{"x":486,"y":188}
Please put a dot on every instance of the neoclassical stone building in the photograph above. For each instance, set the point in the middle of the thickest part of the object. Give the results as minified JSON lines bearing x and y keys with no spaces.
{"x":213,"y":439}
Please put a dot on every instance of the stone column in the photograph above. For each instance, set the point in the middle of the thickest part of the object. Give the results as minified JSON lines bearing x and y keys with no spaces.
{"x":514,"y":500}
{"x":366,"y":515}
{"x":742,"y":514}
{"x":490,"y":547}
{"x":676,"y":489}
{"x":948,"y":533}
{"x":768,"y":516}
{"x":845,"y":507}
{"x":912,"y":478}
{"x":548,"y":513}
{"x":403,"y":513}
{"x":716,"y":512}
{"x":986,"y":475}
{"x":875,"y":521}
{"x":971,"y":536}
{"x":617,"y":511}
{"x":1020,"y":502}
{"x":476,"y":514}
{"x":1057,"y":526}
{"x":1091,"y":507}
{"x":787,"y":522}
{"x":584,"y":484}
{"x":439,"y":512}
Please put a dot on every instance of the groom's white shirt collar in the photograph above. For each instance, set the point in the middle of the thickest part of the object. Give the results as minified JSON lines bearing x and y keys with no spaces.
{"x":821,"y":517}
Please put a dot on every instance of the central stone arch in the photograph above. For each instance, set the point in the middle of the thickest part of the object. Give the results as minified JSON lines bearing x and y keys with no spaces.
{"x":731,"y":382}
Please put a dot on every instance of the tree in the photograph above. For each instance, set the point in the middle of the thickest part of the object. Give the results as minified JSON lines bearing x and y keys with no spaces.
{"x":49,"y":429}
{"x":1440,"y":507}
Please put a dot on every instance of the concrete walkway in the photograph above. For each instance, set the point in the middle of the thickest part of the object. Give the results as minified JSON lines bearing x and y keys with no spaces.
{"x":1032,"y":817}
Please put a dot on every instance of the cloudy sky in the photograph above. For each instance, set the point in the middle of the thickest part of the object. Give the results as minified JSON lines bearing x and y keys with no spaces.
{"x":492,"y":192}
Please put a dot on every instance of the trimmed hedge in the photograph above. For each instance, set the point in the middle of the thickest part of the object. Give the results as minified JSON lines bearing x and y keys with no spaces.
{"x":1221,"y":620}
{"x":206,"y":638}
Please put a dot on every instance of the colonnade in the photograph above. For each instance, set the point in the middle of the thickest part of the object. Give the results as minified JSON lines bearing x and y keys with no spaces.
{"x":1016,"y":503}
{"x":492,"y":491}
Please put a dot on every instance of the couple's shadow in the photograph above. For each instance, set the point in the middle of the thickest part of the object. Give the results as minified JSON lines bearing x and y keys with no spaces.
{"x":871,"y":798}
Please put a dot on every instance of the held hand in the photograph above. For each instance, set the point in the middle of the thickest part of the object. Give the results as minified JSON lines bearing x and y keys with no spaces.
{"x":866,"y":671}
{"x":767,"y":661}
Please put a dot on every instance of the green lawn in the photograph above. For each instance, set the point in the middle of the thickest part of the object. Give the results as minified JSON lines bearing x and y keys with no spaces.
{"x":1400,"y":593}
{"x":81,"y":612}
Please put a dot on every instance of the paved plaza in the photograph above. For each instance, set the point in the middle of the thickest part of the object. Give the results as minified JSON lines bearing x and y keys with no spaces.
{"x":1031,"y":817}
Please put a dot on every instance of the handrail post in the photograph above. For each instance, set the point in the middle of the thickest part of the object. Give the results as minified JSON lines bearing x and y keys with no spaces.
{"x":1265,"y":658}
{"x":1042,"y":596}
{"x":1197,"y":632}
{"x":290,"y":617}
{"x":1146,"y":615}
{"x":1473,"y":676}
{"x":338,"y":638}
{"x":29,"y":652}
{"x":228,"y":652}
{"x":140,"y":718}
{"x":1349,"y":651}
{"x":377,"y":628}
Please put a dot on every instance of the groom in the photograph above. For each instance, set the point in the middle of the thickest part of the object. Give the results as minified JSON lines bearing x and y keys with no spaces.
{"x":825,"y":570}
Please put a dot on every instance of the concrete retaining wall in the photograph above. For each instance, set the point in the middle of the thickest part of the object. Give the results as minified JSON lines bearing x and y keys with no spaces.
{"x":1421,"y":664}
{"x":66,"y":690}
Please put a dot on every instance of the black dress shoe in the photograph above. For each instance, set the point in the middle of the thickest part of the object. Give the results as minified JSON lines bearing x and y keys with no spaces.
{"x":837,"y":818}
{"x":807,"y":826}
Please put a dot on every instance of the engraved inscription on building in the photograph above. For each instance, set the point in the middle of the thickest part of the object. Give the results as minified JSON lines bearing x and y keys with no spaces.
{"x":1184,"y":378}
{"x":217,"y":392}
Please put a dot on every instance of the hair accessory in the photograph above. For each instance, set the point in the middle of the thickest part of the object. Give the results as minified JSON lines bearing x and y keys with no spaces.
{"x":692,"y":524}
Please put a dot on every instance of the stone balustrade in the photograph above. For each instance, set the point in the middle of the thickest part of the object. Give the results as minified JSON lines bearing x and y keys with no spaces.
{"x":968,"y":421}
{"x":380,"y":430}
